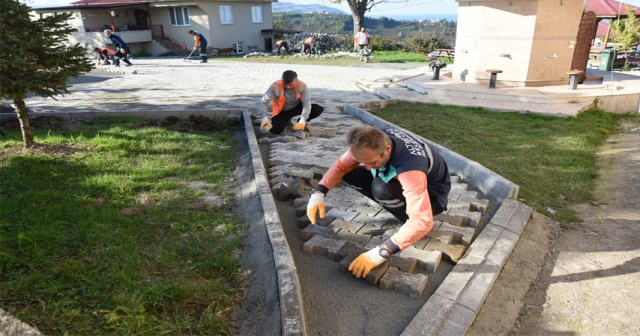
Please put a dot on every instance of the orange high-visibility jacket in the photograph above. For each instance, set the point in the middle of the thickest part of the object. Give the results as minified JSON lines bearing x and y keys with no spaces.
{"x":278,"y":100}
{"x":309,"y":40}
{"x":359,"y":35}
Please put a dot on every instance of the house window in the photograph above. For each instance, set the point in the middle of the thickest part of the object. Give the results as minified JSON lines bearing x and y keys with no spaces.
{"x":179,"y":16}
{"x":226,"y":14}
{"x":256,"y":14}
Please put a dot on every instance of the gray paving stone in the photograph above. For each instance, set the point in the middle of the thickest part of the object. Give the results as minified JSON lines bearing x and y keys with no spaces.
{"x":378,"y":272}
{"x":408,"y":265}
{"x":466,"y":206}
{"x":412,"y":285}
{"x":378,"y":222}
{"x":463,"y":235}
{"x":347,"y":226}
{"x":420,"y":244}
{"x":428,"y":260}
{"x":453,"y":220}
{"x":345,"y":215}
{"x":444,"y":237}
{"x":494,"y":243}
{"x":374,"y":242}
{"x":440,"y":317}
{"x":469,"y":282}
{"x":359,"y":240}
{"x":323,"y":246}
{"x":460,"y":186}
{"x":346,"y":261}
{"x":477,"y":204}
{"x":312,"y":230}
{"x":469,"y":218}
{"x":372,"y":230}
{"x":519,"y":219}
{"x":390,"y":232}
{"x":304,"y":221}
{"x":280,"y":179}
{"x":451,"y":253}
{"x":468,"y":193}
{"x":301,"y":210}
{"x":455,"y":179}
{"x":347,"y":249}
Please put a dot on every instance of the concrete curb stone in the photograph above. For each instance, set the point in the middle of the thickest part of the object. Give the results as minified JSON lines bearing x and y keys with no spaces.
{"x":291,"y":304}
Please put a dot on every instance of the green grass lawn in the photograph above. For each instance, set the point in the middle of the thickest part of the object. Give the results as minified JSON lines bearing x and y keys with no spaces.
{"x":379,"y":57}
{"x":115,"y":238}
{"x":553,"y":160}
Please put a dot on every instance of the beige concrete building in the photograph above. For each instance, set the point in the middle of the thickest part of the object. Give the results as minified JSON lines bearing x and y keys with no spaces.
{"x":531,"y":41}
{"x":159,"y":27}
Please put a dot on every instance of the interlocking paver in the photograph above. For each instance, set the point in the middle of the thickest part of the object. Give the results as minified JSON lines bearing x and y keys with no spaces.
{"x":407,"y":283}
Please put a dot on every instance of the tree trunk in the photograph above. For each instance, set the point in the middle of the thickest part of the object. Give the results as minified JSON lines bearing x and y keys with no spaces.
{"x":21,"y":110}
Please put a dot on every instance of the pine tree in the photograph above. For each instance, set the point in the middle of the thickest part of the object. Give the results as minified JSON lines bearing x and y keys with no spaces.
{"x":34,"y":58}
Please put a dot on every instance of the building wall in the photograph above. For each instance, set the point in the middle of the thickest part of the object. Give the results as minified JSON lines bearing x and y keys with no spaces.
{"x":524,"y":32}
{"x":203,"y":16}
{"x":554,"y":38}
{"x":243,"y":29}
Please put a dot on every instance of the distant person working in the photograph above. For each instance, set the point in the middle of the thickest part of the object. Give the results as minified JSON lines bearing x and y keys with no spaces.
{"x":362,"y":39}
{"x":121,"y":48}
{"x":201,"y":43}
{"x":282,"y":44}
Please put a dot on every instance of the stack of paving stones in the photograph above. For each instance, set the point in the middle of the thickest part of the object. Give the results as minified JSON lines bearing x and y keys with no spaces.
{"x":354,"y":224}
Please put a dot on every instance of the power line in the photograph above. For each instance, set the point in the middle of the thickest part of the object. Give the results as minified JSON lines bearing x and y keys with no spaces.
{"x":420,"y":4}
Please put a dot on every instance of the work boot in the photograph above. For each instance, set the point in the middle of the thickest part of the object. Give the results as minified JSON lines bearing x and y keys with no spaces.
{"x":203,"y":61}
{"x":127,"y":61}
{"x":107,"y":63}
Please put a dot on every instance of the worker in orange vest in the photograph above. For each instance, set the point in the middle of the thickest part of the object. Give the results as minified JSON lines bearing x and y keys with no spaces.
{"x":362,"y":38}
{"x":289,"y":97}
{"x":103,"y":55}
{"x":308,"y":43}
{"x":282,"y":44}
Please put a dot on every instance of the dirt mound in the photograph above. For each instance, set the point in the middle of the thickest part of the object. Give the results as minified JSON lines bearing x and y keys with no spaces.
{"x":195,"y":123}
{"x":36,"y":122}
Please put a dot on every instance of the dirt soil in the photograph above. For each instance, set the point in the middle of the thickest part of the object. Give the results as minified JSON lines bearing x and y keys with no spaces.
{"x":588,"y":281}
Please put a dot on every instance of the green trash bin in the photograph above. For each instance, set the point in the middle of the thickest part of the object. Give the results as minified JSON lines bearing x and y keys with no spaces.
{"x":606,"y":59}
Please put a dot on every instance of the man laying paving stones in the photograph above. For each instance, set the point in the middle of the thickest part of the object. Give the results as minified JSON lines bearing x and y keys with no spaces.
{"x":289,"y":97}
{"x":406,"y":177}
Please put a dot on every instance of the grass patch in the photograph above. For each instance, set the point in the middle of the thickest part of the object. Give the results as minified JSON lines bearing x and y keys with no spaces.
{"x":116,"y":238}
{"x":553,"y":160}
{"x":379,"y":57}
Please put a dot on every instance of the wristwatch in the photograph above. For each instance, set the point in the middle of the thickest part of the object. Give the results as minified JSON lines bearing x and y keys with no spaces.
{"x":383,"y":252}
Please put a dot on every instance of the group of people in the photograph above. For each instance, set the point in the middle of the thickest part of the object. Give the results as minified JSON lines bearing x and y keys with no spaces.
{"x":406,"y":176}
{"x":121,"y":52}
{"x":309,"y":45}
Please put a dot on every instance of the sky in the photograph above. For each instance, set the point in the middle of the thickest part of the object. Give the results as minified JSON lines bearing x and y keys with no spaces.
{"x":427,"y":8}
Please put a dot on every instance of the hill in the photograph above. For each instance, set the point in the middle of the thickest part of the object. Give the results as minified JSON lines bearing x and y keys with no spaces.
{"x":398,"y":30}
{"x":288,"y":7}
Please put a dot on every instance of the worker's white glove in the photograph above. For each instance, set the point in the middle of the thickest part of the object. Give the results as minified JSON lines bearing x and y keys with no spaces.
{"x":316,"y":202}
{"x":266,"y":122}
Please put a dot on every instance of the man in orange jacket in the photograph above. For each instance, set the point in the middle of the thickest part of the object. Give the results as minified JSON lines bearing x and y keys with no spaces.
{"x":308,"y":43}
{"x":405,"y":176}
{"x":104,"y":54}
{"x":362,"y":38}
{"x":289,"y":97}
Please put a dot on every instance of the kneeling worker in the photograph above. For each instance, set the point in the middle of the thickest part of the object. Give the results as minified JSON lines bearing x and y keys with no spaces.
{"x":289,"y":97}
{"x":405,"y":176}
{"x":103,"y":55}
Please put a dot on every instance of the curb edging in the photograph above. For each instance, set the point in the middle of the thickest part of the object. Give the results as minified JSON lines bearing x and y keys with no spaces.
{"x":291,"y":305}
{"x":455,"y":304}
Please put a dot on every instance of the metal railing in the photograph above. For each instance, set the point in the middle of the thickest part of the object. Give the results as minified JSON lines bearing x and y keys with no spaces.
{"x":157,"y":32}
{"x":129,"y":27}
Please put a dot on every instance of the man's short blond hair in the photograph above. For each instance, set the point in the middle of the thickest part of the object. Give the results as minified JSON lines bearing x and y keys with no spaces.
{"x":365,"y":136}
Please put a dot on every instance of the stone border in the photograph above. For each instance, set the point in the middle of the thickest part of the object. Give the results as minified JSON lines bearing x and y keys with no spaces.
{"x":213,"y":114}
{"x":454,"y":306}
{"x":291,"y":305}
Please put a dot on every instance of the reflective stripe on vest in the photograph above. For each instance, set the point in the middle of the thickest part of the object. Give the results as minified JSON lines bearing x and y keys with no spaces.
{"x":278,"y":95}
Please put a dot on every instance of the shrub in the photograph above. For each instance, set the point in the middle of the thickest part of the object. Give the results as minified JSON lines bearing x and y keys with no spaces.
{"x":426,"y":45}
{"x":141,"y":53}
{"x":381,"y":43}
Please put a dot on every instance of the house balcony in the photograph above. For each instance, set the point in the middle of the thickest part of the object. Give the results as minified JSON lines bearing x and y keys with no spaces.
{"x":129,"y":33}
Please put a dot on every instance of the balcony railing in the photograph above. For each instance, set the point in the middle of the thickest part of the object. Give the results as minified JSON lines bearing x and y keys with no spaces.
{"x":129,"y":27}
